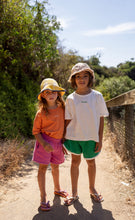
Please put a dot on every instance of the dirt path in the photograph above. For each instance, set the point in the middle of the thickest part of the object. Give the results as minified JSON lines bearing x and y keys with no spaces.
{"x":19,"y":198}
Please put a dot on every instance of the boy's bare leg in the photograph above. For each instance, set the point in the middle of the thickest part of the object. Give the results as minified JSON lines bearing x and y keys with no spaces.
{"x":41,"y":181}
{"x":91,"y":175}
{"x":76,"y":159}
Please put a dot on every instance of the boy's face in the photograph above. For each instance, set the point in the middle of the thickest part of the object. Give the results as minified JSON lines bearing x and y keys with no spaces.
{"x":82,"y":79}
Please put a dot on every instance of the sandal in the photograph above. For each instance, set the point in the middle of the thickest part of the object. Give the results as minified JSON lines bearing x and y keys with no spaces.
{"x":61,"y":193}
{"x":45,"y":206}
{"x":97,"y":197}
{"x":69,"y":201}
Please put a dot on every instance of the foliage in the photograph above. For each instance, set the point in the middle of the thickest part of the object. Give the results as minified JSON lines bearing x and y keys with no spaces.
{"x":28,"y":42}
{"x":17,"y":108}
{"x":28,"y":51}
{"x":127,"y":68}
{"x":115,"y":86}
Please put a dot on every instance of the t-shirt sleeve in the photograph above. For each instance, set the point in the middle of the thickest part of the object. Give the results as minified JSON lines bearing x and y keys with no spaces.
{"x":68,"y":112}
{"x":102,"y":108}
{"x":37,"y":124}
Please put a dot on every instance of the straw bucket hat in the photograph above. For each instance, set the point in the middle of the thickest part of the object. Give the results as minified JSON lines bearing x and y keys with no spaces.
{"x":81,"y":67}
{"x":50,"y":84}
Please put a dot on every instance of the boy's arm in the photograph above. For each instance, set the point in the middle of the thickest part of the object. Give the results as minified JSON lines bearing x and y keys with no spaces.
{"x":63,"y":139}
{"x":46,"y":145}
{"x":101,"y":128}
{"x":65,"y":126}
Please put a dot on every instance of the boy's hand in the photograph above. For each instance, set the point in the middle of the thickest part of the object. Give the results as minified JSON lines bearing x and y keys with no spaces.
{"x":63,"y":140}
{"x":98,"y":147}
{"x":48,"y":148}
{"x":64,"y":150}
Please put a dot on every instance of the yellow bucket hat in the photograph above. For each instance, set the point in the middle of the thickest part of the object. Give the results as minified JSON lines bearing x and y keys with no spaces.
{"x":50,"y":84}
{"x":80,"y":67}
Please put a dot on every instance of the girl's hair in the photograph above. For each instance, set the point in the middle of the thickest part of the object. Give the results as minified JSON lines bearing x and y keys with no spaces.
{"x":90,"y":83}
{"x":42,"y":104}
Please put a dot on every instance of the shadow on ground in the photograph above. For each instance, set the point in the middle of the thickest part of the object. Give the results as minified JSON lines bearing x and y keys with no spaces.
{"x":61,"y":212}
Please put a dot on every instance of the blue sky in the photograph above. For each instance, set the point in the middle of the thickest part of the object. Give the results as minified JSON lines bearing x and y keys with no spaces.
{"x":106,"y":27}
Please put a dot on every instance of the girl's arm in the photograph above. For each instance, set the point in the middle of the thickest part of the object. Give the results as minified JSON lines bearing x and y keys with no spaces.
{"x":46,"y":145}
{"x":101,"y":128}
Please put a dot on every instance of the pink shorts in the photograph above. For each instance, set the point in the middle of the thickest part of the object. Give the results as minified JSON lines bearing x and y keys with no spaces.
{"x":43,"y":157}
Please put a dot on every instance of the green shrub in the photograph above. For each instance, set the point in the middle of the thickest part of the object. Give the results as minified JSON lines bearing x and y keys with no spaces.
{"x":17,"y":109}
{"x":114,"y":86}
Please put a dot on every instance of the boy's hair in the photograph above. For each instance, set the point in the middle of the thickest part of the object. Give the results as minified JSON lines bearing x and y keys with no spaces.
{"x":42,"y":104}
{"x":90,"y":83}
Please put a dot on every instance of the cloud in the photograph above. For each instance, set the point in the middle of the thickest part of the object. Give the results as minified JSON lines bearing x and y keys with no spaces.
{"x":83,"y":51}
{"x":97,"y":49}
{"x":121,"y":28}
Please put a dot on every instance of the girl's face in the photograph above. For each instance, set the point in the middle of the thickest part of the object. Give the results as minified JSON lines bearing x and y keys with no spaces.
{"x":50,"y":96}
{"x":82,"y":80}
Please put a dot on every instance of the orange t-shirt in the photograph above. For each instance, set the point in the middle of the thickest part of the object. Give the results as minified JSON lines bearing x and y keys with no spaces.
{"x":51,"y":124}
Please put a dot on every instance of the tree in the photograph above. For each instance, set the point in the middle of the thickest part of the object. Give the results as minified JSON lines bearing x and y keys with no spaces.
{"x":45,"y":42}
{"x":64,"y":66}
{"x":28,"y":40}
{"x":127,"y":68}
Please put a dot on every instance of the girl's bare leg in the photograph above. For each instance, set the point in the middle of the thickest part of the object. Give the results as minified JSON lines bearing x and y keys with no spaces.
{"x":55,"y":174}
{"x":76,"y":159}
{"x":91,"y":175}
{"x":41,"y":181}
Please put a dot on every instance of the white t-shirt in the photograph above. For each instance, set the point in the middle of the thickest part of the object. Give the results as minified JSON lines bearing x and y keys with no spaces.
{"x":84,"y":111}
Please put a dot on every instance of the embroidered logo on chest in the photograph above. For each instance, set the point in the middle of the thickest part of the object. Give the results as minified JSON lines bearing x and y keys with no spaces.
{"x":83,"y":101}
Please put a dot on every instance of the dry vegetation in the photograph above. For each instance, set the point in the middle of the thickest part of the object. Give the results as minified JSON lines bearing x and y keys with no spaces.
{"x":12,"y":156}
{"x":121,"y":169}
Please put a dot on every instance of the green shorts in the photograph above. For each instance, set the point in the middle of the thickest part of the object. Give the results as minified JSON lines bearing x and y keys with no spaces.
{"x":79,"y":147}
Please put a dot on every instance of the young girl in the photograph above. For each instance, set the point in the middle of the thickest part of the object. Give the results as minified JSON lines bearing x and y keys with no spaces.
{"x":48,"y":130}
{"x":84,"y":114}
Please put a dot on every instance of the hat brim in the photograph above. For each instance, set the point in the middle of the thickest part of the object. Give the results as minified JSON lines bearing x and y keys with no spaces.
{"x":88,"y":70}
{"x":51,"y":88}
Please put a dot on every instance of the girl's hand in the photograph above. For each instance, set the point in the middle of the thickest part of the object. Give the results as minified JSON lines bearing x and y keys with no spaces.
{"x":98,"y":147}
{"x":48,"y":148}
{"x":45,"y":144}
